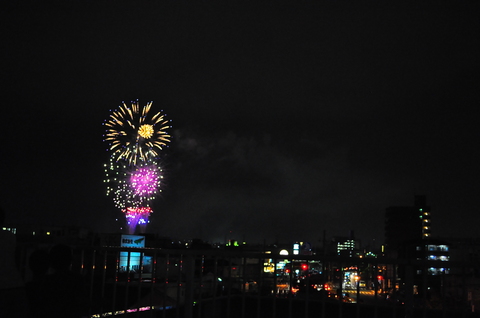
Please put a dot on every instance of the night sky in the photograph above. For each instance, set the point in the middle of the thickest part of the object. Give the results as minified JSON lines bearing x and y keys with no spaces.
{"x":288,"y":119}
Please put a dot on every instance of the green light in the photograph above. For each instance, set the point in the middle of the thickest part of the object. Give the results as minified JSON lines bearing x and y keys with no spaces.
{"x":420,"y":210}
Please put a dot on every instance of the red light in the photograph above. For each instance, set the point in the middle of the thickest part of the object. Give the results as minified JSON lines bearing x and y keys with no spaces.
{"x":287,"y":271}
{"x":304,"y":267}
{"x":379,"y":277}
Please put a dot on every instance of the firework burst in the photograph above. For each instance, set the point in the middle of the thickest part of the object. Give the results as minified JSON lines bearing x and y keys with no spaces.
{"x":133,"y":176}
{"x":136,"y":216}
{"x":133,"y":186}
{"x":145,"y":181}
{"x":135,"y":135}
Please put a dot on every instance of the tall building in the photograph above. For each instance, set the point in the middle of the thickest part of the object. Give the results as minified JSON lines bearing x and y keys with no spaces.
{"x":346,"y":246}
{"x":406,"y":223}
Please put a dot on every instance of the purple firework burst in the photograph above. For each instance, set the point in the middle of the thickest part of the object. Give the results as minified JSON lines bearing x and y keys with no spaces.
{"x":145,"y":181}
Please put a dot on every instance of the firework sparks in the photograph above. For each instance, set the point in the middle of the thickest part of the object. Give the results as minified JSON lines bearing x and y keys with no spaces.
{"x":133,"y":186}
{"x":136,"y":216}
{"x":133,"y":177}
{"x":145,"y":180}
{"x":134,"y":135}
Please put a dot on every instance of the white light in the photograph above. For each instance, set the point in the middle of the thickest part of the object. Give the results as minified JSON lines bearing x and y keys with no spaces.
{"x":283,"y":252}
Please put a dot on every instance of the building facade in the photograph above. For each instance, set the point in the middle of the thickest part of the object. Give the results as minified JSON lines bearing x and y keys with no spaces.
{"x":406,"y":223}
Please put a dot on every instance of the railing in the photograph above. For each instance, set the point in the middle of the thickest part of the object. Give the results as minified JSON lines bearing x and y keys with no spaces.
{"x":147,"y":282}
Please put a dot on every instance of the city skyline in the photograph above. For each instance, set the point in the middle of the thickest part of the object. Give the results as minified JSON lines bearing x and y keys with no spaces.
{"x":286,"y":120}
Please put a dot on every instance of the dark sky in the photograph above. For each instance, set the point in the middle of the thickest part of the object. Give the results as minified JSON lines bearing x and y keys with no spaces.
{"x":288,"y":118}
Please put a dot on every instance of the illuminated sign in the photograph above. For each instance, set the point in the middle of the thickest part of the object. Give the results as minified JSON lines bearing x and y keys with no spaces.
{"x":132,"y":241}
{"x":133,"y":261}
{"x":296,"y":248}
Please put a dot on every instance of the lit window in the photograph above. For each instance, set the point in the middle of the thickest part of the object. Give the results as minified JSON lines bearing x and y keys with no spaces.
{"x":10,"y":229}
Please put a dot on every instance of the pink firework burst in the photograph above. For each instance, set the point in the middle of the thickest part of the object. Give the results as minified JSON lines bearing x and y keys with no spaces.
{"x":145,"y":181}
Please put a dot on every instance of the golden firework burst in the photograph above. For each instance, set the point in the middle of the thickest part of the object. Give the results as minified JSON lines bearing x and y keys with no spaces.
{"x":126,"y":125}
{"x":146,"y":131}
